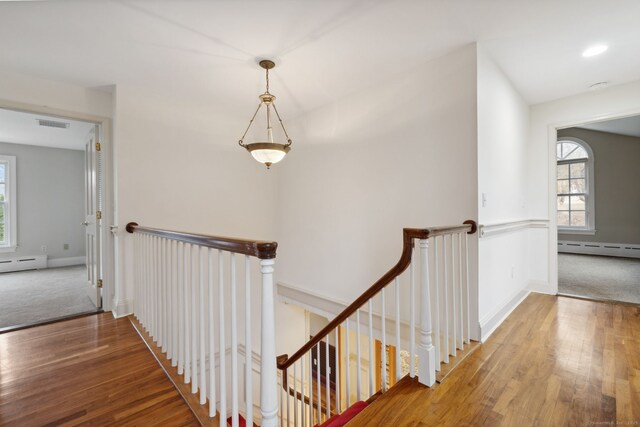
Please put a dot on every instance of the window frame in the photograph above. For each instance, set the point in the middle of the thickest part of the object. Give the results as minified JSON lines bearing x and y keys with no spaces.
{"x":10,"y":214}
{"x":590,"y":214}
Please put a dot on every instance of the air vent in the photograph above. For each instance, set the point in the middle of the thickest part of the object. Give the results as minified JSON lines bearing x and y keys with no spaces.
{"x":53,"y":124}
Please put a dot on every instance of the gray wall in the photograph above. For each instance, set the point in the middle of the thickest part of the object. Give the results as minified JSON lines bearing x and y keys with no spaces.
{"x":50,"y":200}
{"x":617,"y":186}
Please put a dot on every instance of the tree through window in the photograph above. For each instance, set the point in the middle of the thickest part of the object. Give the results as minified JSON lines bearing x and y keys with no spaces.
{"x":575,"y":189}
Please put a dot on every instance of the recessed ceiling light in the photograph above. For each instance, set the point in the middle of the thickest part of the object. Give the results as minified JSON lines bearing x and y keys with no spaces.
{"x":595,"y":50}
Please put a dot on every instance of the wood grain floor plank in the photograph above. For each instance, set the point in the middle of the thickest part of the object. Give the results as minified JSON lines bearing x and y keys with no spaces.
{"x":555,"y":361}
{"x":87,"y":371}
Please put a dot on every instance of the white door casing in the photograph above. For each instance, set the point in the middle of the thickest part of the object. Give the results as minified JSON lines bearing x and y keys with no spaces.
{"x":93,"y":222}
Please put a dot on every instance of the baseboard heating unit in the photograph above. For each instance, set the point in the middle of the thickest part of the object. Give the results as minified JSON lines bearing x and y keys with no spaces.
{"x":24,"y":262}
{"x":594,"y":248}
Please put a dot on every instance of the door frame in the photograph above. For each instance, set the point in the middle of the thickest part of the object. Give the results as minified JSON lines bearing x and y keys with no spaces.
{"x":552,"y":132}
{"x":108,"y":180}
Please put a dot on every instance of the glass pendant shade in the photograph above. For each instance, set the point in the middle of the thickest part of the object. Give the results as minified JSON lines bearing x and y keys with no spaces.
{"x":268,"y":152}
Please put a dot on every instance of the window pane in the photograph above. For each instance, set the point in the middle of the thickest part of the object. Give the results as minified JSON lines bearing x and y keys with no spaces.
{"x":563,"y":203}
{"x":2,"y":241}
{"x":578,"y":153}
{"x":2,"y":192}
{"x":2,"y":168}
{"x":577,"y":170}
{"x":567,"y":150}
{"x":578,"y":186}
{"x":578,"y":219}
{"x":563,"y":218}
{"x":578,"y":203}
{"x":563,"y":171}
{"x":563,"y":186}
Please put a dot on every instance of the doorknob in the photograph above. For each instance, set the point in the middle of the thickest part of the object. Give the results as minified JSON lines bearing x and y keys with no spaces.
{"x":85,"y":223}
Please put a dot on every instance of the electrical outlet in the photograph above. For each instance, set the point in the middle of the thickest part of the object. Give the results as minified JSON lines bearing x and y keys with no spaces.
{"x":43,"y":248}
{"x":65,"y":246}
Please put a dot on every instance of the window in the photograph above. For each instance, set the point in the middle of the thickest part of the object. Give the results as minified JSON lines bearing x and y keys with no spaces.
{"x":8,"y":229}
{"x":575,"y":187}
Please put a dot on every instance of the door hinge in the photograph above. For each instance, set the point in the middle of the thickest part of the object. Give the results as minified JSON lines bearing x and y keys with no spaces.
{"x":98,"y":214}
{"x":98,"y":146}
{"x":99,"y":284}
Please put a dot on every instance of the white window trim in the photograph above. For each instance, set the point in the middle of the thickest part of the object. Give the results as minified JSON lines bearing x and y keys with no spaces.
{"x":11,"y":216}
{"x":590,"y":229}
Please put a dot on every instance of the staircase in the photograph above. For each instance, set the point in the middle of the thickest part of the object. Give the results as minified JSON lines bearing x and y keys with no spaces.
{"x":416,"y":316}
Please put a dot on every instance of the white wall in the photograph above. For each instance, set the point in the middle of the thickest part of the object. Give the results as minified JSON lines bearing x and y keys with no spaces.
{"x":400,"y":154}
{"x":503,"y":133}
{"x":60,"y":96}
{"x":179,"y":167}
{"x":612,"y":102}
{"x":50,"y":200}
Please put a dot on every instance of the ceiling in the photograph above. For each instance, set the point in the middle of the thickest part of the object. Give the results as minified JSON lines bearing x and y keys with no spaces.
{"x":23,"y":128}
{"x":205,"y":51}
{"x":629,"y":126}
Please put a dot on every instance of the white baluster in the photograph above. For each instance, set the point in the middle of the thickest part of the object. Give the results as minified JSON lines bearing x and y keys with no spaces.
{"x":212,"y":340}
{"x":454,"y":302}
{"x":338,"y":380}
{"x":358,"y":374}
{"x":348,"y":364}
{"x":248,"y":385}
{"x":281,"y":401}
{"x":466,"y":286}
{"x":327,"y":374}
{"x":436,"y":304}
{"x":167,"y":301}
{"x":371,"y":364}
{"x":311,"y":388}
{"x":384,"y":343}
{"x":181,"y":310}
{"x":303,"y":393}
{"x":165,"y":306}
{"x":461,"y":312}
{"x":174,"y":301}
{"x":318,"y":381}
{"x":398,"y":368}
{"x":288,"y":404}
{"x":187,"y":312}
{"x":195,"y":252}
{"x":412,"y":314}
{"x":223,"y":344}
{"x":234,"y":342}
{"x":268,"y":373}
{"x":295,"y":396}
{"x":426,"y":351}
{"x":203,"y":331}
{"x":445,"y":301}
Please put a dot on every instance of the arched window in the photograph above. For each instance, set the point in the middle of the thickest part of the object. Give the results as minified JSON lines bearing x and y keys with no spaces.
{"x":575,"y":186}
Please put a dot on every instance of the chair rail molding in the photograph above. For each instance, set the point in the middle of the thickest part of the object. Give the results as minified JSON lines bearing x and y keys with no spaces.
{"x":493,"y":229}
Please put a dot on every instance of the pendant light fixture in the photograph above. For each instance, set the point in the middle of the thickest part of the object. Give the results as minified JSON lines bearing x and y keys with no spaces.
{"x":267,"y":152}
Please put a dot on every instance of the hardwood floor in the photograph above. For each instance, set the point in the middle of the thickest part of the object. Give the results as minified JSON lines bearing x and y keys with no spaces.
{"x":555,"y":361}
{"x":88,"y":371}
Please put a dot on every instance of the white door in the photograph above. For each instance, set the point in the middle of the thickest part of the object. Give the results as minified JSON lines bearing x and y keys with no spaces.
{"x":93,"y":214}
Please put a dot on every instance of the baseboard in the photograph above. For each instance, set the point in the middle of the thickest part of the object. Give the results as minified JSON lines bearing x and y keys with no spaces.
{"x":66,"y":262}
{"x":22,"y":262}
{"x":624,"y":250}
{"x":122,"y":308}
{"x":491,"y":322}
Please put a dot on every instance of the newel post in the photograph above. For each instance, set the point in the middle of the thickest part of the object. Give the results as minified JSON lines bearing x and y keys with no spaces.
{"x":426,"y":351}
{"x":268,"y":370}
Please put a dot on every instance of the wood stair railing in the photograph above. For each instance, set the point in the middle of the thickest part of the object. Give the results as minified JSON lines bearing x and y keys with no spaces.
{"x":455,"y":330}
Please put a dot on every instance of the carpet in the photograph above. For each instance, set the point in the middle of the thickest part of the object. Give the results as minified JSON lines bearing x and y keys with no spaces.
{"x":599,"y":277}
{"x":40,"y":295}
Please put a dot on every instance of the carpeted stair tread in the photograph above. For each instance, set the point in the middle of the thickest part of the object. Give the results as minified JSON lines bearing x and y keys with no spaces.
{"x":339,"y":420}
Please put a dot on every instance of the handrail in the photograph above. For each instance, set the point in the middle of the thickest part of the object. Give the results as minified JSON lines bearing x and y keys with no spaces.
{"x":257,"y":248}
{"x":408,"y":235}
